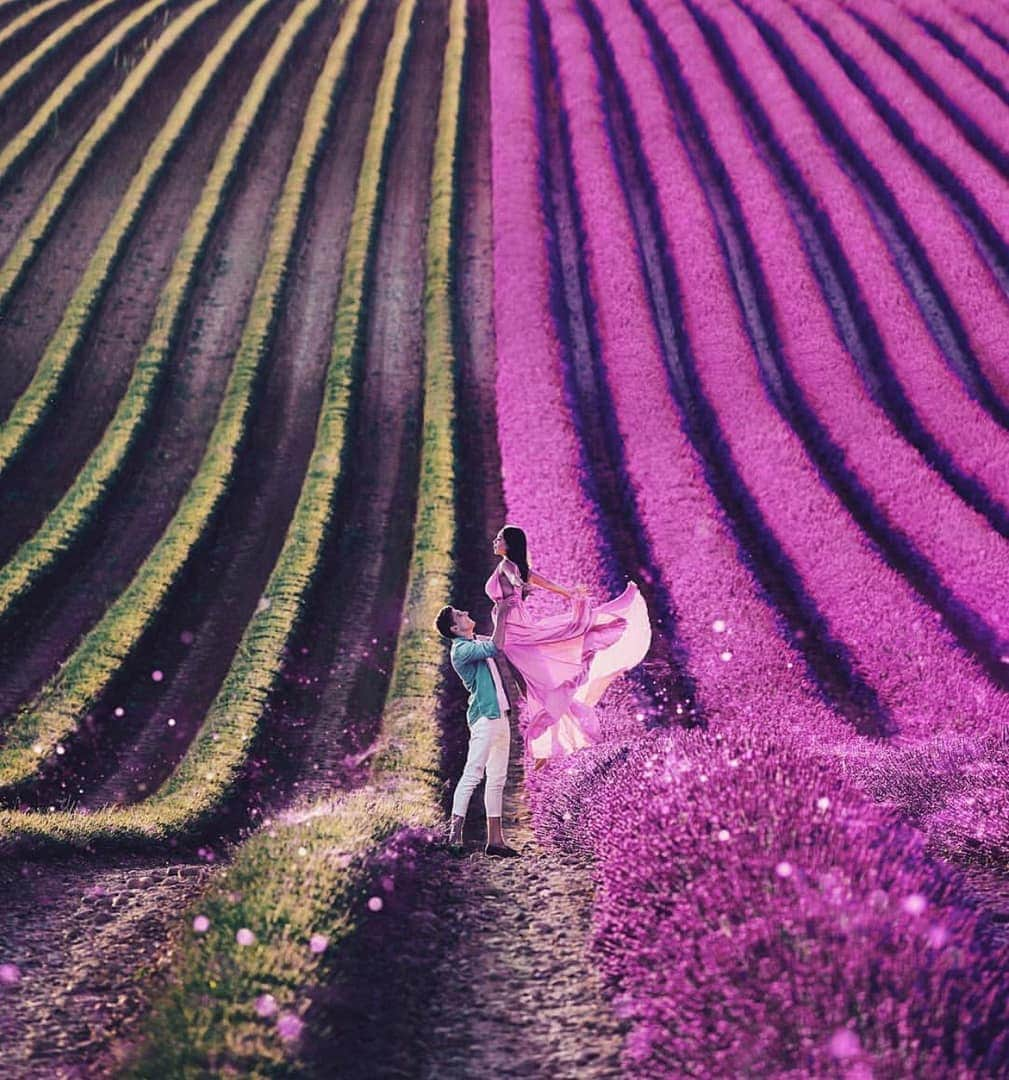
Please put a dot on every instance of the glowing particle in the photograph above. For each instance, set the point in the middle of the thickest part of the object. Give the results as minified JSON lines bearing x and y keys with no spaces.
{"x":718,"y":626}
{"x":10,"y":975}
{"x":266,"y":1005}
{"x":39,"y":749}
{"x":375,"y":903}
{"x":844,"y":1043}
{"x":783,"y":869}
{"x":723,"y":835}
{"x":201,"y":924}
{"x":823,"y":803}
{"x":937,"y":937}
{"x":186,"y":637}
{"x":119,"y":711}
{"x":171,"y":721}
{"x":914,"y":904}
{"x":726,"y":655}
{"x":61,"y":749}
{"x":157,"y":676}
{"x":263,"y":605}
{"x":245,"y":936}
{"x":289,"y":1026}
{"x":303,"y":851}
{"x":317,"y":943}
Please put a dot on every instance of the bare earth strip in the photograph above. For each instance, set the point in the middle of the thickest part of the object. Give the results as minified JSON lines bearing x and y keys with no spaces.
{"x":51,"y":459}
{"x":29,"y":94}
{"x":68,"y":602}
{"x":87,"y":937}
{"x":35,"y":308}
{"x":336,"y":683}
{"x":484,"y":967}
{"x":24,"y":40}
{"x":221,"y":587}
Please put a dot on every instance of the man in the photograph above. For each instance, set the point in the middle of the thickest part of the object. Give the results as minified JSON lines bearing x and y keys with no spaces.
{"x":487,"y":716}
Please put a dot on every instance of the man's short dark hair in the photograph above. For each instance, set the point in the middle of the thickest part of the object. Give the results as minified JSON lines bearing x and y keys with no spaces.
{"x":443,"y":624}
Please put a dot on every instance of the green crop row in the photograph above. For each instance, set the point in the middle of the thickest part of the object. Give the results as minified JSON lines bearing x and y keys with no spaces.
{"x":37,"y":398}
{"x":210,"y":765}
{"x":77,"y":507}
{"x":82,"y":73}
{"x":26,"y":18}
{"x":30,"y":63}
{"x":299,"y":884}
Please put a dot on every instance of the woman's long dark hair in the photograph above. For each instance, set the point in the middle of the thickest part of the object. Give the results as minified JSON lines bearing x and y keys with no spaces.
{"x":517,"y":548}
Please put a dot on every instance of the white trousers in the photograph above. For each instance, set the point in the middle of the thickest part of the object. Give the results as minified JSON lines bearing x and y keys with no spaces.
{"x":489,"y":741}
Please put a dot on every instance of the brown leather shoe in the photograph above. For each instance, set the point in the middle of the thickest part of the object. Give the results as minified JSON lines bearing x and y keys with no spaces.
{"x":497,"y":851}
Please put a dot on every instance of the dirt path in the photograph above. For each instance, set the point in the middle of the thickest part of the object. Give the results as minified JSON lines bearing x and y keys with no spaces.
{"x":483,"y":961}
{"x":87,"y":937}
{"x":483,"y":969}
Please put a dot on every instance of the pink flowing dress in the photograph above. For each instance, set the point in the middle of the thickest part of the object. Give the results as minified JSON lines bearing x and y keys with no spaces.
{"x":569,"y":659}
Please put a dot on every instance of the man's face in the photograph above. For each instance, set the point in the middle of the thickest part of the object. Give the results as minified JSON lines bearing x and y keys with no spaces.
{"x":462,"y":624}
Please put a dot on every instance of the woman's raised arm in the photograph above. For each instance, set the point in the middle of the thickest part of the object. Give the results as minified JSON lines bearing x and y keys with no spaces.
{"x":541,"y":581}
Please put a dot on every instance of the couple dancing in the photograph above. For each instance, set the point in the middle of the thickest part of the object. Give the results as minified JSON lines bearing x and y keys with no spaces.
{"x":565,"y":661}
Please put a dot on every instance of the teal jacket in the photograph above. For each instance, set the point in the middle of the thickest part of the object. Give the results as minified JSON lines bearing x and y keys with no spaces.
{"x":468,"y":656}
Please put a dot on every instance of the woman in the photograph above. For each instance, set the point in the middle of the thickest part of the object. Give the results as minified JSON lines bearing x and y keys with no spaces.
{"x":566,"y":661}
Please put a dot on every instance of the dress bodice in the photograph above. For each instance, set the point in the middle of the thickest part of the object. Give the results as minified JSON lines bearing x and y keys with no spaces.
{"x":503,"y":581}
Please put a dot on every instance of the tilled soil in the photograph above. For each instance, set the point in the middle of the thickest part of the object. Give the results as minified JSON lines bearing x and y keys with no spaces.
{"x":224,"y":583}
{"x":102,"y":368}
{"x":36,"y":307}
{"x":87,"y":938}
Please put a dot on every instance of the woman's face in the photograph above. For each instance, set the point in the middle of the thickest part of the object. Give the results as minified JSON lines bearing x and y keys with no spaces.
{"x":500,"y":547}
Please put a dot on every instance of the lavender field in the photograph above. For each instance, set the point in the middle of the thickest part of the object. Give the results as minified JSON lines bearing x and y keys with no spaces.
{"x":299,"y":302}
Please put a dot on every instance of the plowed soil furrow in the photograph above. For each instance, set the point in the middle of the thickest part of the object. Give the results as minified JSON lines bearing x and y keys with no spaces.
{"x":330,"y":703}
{"x":27,"y":97}
{"x":194,"y":637}
{"x":21,"y":192}
{"x":37,"y":305}
{"x":89,"y":938}
{"x":12,"y":10}
{"x":39,"y":29}
{"x":46,"y":467}
{"x":68,"y":601}
{"x":663,"y":679}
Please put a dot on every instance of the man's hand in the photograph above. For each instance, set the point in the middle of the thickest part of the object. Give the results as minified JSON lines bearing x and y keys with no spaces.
{"x":500,"y":609}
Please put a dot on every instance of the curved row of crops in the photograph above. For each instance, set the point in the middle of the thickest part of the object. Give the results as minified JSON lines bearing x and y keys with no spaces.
{"x":793,"y":322}
{"x":339,"y":840}
{"x":751,"y":290}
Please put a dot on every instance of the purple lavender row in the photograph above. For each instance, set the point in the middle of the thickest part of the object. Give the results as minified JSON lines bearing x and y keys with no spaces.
{"x":756,"y":915}
{"x":946,"y":549}
{"x":892,"y":635}
{"x":539,"y":443}
{"x":953,"y":427}
{"x":742,"y":924}
{"x":735,"y":651}
{"x":963,"y":25}
{"x":974,"y":332}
